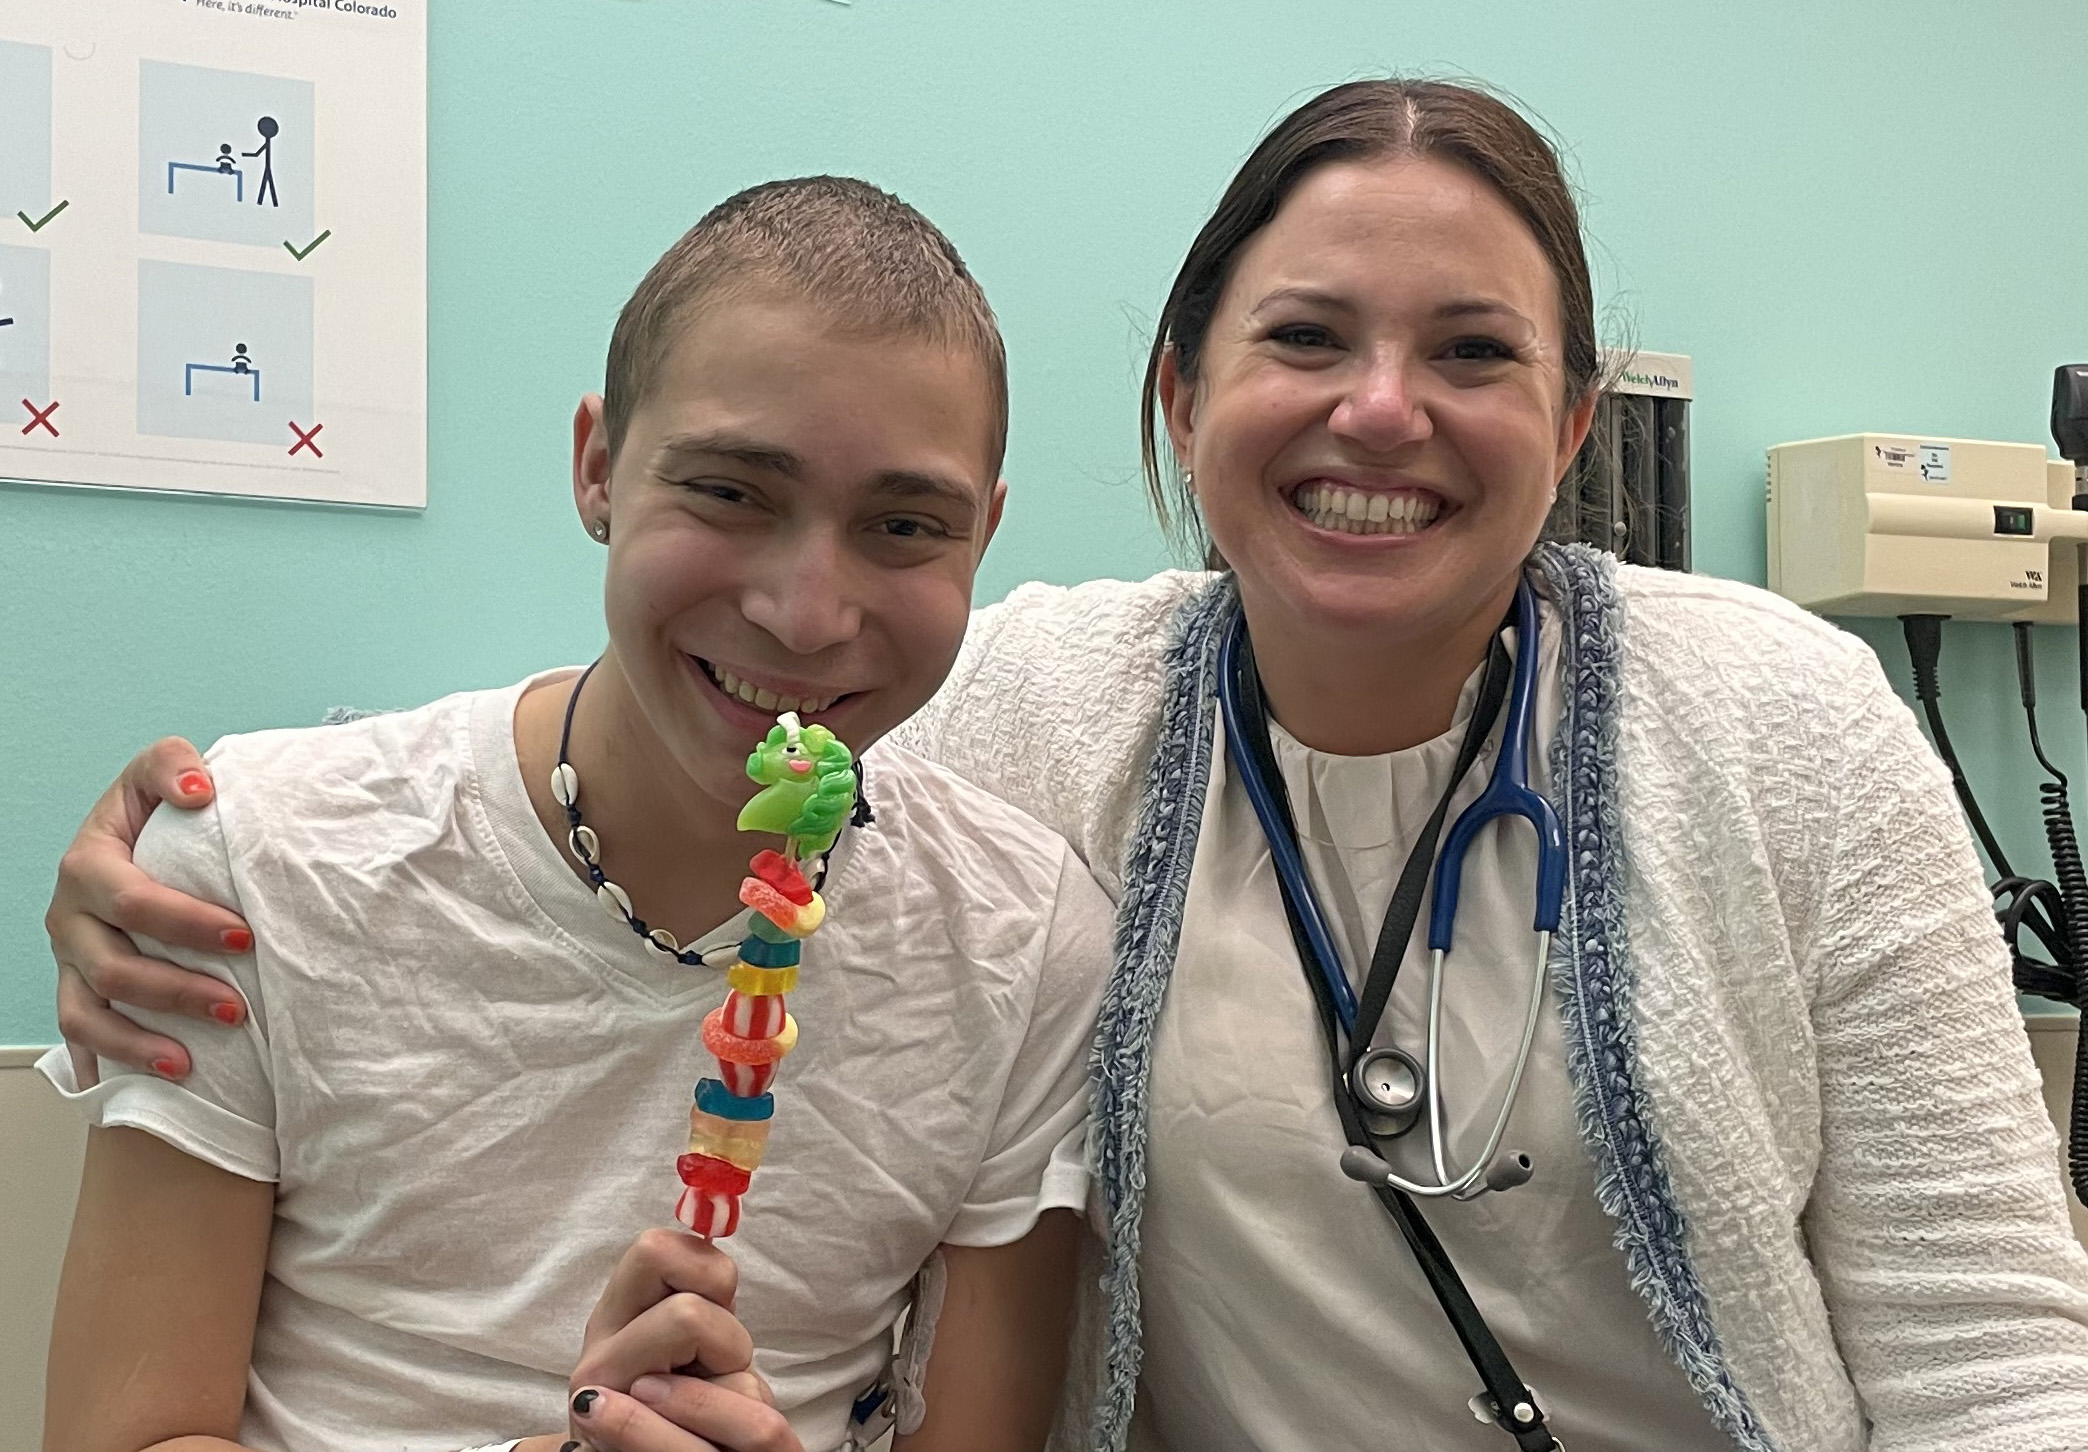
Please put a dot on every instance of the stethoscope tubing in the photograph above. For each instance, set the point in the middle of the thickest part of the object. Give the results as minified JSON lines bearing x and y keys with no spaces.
{"x":1507,"y":793}
{"x":1283,"y":847}
{"x":1445,"y":1185}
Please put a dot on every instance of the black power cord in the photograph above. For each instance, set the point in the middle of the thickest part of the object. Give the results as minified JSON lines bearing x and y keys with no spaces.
{"x":1924,"y":648}
{"x":2055,"y":914}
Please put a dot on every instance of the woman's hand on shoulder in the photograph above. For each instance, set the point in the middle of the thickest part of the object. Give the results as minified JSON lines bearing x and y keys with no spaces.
{"x":102,"y":898}
{"x":666,"y":1366}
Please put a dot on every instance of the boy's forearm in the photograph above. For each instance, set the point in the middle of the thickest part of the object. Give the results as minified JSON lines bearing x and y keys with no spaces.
{"x":156,"y":1302}
{"x":999,"y":1358}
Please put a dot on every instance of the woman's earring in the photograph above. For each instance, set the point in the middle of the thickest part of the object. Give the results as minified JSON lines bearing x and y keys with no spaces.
{"x":600,"y":530}
{"x":1188,"y":478}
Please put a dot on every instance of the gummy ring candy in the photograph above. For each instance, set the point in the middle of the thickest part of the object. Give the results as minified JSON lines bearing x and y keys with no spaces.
{"x":793,"y":919}
{"x":729,"y":1048}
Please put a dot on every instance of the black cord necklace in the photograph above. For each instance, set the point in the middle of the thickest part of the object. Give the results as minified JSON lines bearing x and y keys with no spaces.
{"x":586,"y":845}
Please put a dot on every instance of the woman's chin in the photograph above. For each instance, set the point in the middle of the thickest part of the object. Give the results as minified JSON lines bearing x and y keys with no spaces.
{"x":1415,"y":593}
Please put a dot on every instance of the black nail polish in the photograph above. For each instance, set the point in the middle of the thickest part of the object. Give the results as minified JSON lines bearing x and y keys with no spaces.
{"x":570,"y":1447}
{"x":584,"y":1403}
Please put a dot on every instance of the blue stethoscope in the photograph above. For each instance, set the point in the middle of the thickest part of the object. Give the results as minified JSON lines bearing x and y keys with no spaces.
{"x":1387,"y":1084}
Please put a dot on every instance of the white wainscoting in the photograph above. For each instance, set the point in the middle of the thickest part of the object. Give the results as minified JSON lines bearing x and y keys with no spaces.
{"x":40,"y":1144}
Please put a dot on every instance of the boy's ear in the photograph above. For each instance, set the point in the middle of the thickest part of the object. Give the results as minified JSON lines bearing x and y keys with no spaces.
{"x":996,"y":501}
{"x":591,"y":464}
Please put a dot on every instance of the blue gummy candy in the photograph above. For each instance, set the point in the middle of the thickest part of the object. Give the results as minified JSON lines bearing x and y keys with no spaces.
{"x":764,"y":953}
{"x":713,"y":1097}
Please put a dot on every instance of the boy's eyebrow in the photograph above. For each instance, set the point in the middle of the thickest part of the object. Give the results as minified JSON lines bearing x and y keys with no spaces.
{"x":774,"y":459}
{"x":911,"y":484}
{"x":738,"y":447}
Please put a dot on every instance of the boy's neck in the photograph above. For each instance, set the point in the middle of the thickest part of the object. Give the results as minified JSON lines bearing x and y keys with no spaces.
{"x":675,"y":849}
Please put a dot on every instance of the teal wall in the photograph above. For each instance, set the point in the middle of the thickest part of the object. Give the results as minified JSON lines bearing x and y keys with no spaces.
{"x":1853,"y":216}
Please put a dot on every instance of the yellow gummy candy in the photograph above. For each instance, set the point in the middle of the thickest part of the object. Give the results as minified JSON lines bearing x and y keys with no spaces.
{"x":756,"y":982}
{"x":736,"y":1141}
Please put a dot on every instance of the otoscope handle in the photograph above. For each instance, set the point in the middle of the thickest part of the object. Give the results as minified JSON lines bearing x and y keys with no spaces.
{"x":2070,"y":412}
{"x":2070,"y":433}
{"x":2081,"y":624}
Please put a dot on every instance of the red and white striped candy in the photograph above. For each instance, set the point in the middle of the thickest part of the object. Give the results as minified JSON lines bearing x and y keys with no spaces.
{"x":707,"y":1212}
{"x":754,"y":1016}
{"x":748,"y":1081}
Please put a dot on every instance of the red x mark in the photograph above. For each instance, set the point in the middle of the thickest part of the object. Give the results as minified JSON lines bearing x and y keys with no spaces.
{"x":304,"y":439}
{"x":41,"y":416}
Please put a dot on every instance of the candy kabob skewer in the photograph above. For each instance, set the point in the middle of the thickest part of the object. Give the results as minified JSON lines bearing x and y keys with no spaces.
{"x":808,"y":790}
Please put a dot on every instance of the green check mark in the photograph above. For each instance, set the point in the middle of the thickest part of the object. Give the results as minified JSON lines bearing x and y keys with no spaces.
{"x":307,"y":252}
{"x":39,"y":223}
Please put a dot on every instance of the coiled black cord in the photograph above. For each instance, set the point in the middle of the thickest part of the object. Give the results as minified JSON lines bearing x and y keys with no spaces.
{"x":2065,"y":986}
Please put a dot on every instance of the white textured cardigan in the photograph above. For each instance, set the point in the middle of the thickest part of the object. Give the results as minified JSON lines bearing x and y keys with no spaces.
{"x":1798,"y":1063}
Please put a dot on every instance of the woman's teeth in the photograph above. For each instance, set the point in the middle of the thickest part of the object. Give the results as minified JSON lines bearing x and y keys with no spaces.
{"x":1353,"y":511}
{"x":762,"y":700}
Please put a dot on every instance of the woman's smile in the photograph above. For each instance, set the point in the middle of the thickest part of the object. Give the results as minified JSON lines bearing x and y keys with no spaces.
{"x":1333,"y":507}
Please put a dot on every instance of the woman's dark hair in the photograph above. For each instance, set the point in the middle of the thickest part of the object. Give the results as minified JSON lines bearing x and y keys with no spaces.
{"x":1359,"y":121}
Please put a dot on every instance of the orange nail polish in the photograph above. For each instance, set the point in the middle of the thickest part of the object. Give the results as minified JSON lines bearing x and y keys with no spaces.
{"x":192,"y":783}
{"x":226,"y":1013}
{"x":237,"y":939}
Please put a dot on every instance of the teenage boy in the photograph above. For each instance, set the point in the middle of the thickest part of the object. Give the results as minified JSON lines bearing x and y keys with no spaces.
{"x":377,"y":1212}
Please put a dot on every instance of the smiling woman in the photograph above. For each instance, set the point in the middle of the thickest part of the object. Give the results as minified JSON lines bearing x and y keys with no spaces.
{"x":1373,"y":369}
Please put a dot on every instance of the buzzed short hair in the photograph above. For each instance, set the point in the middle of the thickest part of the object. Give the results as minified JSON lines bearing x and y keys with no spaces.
{"x":849,"y":248}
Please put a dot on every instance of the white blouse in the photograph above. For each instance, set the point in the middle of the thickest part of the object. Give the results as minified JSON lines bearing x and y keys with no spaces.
{"x":1267,"y":1272}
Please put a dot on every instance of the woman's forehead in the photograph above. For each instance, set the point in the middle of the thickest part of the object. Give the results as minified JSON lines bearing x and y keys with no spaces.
{"x":1392,"y":227}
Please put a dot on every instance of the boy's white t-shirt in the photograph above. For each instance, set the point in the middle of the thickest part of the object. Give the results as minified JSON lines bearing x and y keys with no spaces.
{"x":470,"y":1083}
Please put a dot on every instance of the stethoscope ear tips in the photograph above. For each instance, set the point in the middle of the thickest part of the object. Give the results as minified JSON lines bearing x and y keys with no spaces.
{"x":1509,"y":1171}
{"x":1504,"y":1173}
{"x":1360,"y":1164}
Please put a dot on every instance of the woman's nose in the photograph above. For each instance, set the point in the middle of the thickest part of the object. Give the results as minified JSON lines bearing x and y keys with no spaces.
{"x":1381,"y":409}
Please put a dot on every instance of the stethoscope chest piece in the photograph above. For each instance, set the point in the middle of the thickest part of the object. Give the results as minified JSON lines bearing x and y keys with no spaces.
{"x":1387,"y":1086}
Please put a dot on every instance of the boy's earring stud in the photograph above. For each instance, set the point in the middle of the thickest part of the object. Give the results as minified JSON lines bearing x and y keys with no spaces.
{"x":600,"y":530}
